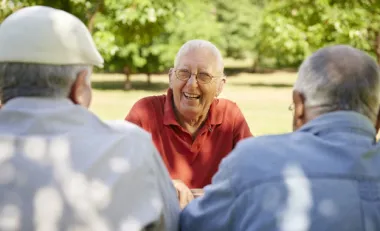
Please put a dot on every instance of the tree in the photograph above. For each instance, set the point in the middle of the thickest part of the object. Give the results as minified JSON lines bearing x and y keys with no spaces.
{"x":125,"y":32}
{"x":240,"y":24}
{"x":83,"y":9}
{"x":195,"y":19}
{"x":289,"y":33}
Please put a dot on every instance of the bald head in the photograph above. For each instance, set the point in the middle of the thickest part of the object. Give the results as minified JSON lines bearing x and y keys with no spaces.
{"x":340,"y":78}
{"x":342,"y":64}
{"x":203,"y":46}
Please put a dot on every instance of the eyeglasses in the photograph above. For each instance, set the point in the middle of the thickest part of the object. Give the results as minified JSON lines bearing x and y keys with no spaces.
{"x":332,"y":106}
{"x":201,"y":77}
{"x":291,"y":107}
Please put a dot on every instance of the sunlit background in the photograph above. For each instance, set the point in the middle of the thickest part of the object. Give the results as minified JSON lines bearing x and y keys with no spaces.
{"x":263,"y":43}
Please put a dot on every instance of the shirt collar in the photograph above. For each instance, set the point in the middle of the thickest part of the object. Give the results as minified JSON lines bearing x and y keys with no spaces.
{"x":214,"y":116}
{"x":35,"y":103}
{"x":340,"y":120}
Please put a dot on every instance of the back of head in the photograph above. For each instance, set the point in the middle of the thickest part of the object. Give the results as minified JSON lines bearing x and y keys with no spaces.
{"x":42,"y":50}
{"x":340,"y":78}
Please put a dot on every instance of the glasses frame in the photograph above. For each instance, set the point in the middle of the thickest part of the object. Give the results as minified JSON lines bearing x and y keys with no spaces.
{"x":212,"y":77}
{"x":291,"y":106}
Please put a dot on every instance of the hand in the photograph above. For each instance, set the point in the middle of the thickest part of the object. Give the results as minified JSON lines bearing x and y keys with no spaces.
{"x":184,"y":194}
{"x":197,"y":192}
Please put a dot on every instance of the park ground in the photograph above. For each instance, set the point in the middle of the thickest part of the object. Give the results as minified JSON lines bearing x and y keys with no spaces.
{"x":263,"y":98}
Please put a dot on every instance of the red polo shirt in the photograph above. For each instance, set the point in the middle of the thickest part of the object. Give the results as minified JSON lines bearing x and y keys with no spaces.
{"x":192,"y":161}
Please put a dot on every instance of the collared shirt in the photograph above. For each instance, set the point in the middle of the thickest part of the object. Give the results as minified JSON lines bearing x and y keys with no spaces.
{"x":325,"y":176}
{"x":61,"y":168}
{"x":194,"y":161}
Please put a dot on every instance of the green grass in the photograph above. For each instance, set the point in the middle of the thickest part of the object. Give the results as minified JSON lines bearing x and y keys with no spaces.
{"x":263,"y":98}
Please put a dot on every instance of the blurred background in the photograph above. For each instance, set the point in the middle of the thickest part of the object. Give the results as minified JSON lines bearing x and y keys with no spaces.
{"x":263,"y":43}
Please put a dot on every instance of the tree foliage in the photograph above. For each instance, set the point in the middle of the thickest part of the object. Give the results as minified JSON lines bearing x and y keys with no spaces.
{"x":289,"y":33}
{"x":144,"y":35}
{"x":240,"y":24}
{"x":126,"y":30}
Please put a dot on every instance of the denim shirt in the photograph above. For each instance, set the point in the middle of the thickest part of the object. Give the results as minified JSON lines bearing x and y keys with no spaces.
{"x":324,"y":176}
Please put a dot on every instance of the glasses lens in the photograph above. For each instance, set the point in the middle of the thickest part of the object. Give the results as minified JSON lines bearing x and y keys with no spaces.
{"x":183,"y":74}
{"x":204,"y":78}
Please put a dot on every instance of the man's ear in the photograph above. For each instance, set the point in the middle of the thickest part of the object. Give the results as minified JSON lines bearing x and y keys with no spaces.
{"x":171,"y":70}
{"x":221,"y":86}
{"x":377,"y":125}
{"x":299,"y":116}
{"x":81,"y":90}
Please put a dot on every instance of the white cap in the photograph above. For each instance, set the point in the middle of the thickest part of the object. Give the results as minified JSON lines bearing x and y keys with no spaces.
{"x":44,"y":35}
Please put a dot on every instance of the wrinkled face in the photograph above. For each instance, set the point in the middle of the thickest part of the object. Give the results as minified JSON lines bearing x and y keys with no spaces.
{"x":192,"y":98}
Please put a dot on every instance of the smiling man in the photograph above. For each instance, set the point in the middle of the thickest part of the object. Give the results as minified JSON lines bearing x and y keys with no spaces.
{"x":192,"y":128}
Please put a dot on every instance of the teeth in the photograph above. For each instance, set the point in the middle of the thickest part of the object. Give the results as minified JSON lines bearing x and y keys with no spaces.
{"x":191,"y":95}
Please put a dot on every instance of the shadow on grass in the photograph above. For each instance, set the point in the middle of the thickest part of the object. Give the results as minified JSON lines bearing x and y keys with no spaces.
{"x":273,"y":85}
{"x":232,"y":72}
{"x":235,"y":71}
{"x":136,"y":85}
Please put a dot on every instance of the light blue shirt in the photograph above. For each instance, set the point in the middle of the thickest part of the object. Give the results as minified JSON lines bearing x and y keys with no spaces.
{"x":324,"y":176}
{"x":62,"y":168}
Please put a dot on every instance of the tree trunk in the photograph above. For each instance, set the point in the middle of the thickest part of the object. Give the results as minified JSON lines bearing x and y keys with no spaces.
{"x":91,"y":15}
{"x":256,"y":63}
{"x":127,"y":83}
{"x":377,"y":47}
{"x":149,"y":79}
{"x":91,"y":20}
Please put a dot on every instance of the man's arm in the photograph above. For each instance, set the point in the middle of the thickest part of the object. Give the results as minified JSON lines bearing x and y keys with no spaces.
{"x":215,"y":209}
{"x":241,"y":128}
{"x":167,"y":191}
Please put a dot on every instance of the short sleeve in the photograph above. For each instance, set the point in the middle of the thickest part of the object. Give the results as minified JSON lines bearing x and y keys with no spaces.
{"x":136,"y":112}
{"x":241,"y":128}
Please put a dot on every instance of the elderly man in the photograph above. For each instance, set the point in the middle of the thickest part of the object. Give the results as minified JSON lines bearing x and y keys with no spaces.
{"x":323,"y":176}
{"x":61,"y":167}
{"x":192,"y":129}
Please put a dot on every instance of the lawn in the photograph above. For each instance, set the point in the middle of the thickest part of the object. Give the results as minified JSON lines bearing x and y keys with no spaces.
{"x":263,"y":98}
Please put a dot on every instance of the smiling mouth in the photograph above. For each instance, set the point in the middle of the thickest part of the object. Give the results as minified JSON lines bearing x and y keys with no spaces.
{"x":191,"y":96}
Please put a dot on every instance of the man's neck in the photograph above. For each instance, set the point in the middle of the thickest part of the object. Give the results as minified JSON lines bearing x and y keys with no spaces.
{"x":192,"y":125}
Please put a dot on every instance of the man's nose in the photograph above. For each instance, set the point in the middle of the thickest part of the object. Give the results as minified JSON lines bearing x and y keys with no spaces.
{"x":192,"y":81}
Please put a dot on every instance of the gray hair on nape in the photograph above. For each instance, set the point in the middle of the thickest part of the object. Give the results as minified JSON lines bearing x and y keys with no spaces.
{"x":200,"y":44}
{"x":38,"y":80}
{"x":340,"y":78}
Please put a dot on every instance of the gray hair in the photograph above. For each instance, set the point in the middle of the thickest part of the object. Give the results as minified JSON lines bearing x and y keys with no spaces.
{"x":200,"y":44}
{"x":38,"y":80}
{"x":340,"y":78}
